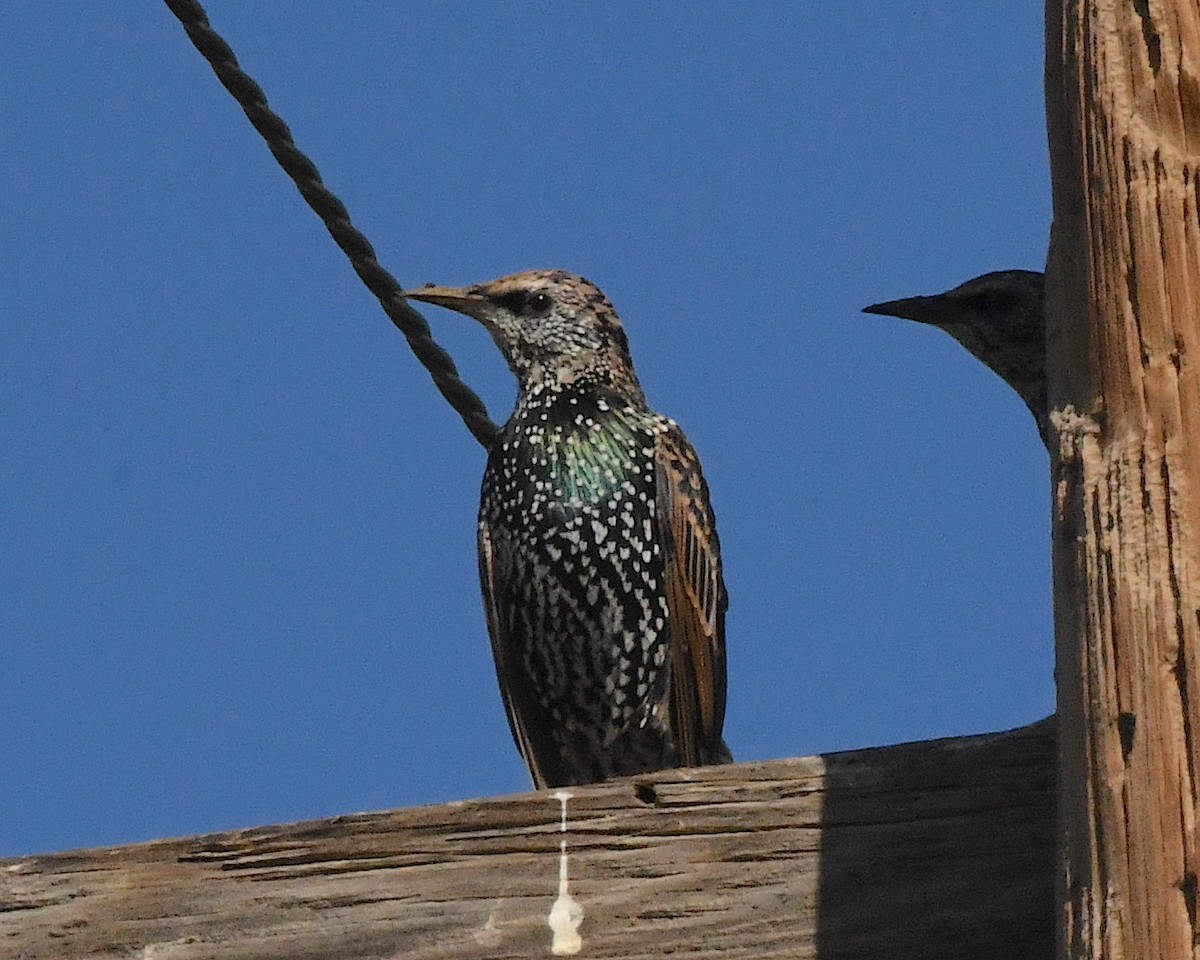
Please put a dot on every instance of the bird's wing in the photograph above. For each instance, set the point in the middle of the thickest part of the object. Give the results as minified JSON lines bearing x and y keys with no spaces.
{"x":696,"y":600}
{"x":525,"y":718}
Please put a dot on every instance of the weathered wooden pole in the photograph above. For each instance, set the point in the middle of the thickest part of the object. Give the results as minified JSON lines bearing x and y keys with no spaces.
{"x":924,"y":851}
{"x":1123,"y":292}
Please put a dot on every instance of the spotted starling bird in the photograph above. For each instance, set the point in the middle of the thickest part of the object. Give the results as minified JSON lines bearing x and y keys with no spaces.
{"x":999,"y":318}
{"x":598,"y":550}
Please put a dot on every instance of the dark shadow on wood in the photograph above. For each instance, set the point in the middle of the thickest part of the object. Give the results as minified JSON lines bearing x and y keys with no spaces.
{"x":959,"y":861}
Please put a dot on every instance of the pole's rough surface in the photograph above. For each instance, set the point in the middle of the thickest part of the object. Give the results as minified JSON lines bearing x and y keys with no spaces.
{"x":924,"y":851}
{"x":1123,"y":308}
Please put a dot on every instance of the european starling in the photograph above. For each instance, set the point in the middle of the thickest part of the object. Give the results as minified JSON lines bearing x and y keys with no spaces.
{"x":999,"y":318}
{"x":598,"y":550}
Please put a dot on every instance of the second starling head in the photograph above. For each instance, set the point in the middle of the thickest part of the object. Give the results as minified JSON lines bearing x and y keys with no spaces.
{"x":554,"y":328}
{"x":1000,"y":318}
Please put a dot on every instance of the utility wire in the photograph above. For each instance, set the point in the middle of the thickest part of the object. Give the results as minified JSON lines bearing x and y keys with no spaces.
{"x":336,"y":218}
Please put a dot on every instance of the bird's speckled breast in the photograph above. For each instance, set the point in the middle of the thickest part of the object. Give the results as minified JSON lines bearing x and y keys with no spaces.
{"x":569,"y":507}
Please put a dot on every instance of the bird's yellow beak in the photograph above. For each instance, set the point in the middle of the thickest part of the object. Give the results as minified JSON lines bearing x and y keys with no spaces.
{"x":462,"y":299}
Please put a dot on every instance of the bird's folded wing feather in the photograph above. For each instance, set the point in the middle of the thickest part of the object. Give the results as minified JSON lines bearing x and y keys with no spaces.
{"x":523,"y":716}
{"x":696,"y":600}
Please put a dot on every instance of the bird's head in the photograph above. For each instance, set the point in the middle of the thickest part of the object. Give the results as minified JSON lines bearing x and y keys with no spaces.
{"x":555,"y":329}
{"x":1000,"y":318}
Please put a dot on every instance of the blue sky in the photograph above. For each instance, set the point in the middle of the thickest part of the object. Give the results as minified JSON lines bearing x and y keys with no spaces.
{"x":239,"y":579}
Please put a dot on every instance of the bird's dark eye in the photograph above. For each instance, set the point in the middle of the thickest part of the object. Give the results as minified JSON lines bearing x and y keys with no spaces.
{"x":525,"y":304}
{"x":992,"y":301}
{"x":539,"y":304}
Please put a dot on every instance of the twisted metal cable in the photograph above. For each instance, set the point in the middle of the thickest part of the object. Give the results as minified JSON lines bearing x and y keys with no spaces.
{"x":336,"y":218}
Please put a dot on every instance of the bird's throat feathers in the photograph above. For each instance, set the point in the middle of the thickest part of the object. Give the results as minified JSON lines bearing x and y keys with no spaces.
{"x":597,"y":372}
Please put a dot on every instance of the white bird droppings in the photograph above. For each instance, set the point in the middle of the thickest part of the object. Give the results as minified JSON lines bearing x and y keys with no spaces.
{"x":566,"y":915}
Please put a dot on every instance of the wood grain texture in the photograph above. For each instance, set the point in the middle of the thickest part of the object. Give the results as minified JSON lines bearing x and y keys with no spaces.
{"x":931,"y":850}
{"x":1123,"y":309}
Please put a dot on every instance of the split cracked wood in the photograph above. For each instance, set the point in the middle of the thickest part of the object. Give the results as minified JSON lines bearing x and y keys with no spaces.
{"x":933,"y":850}
{"x":1123,"y":311}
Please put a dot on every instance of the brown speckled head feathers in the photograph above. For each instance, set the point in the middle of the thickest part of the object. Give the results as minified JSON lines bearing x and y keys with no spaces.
{"x":546,"y":322}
